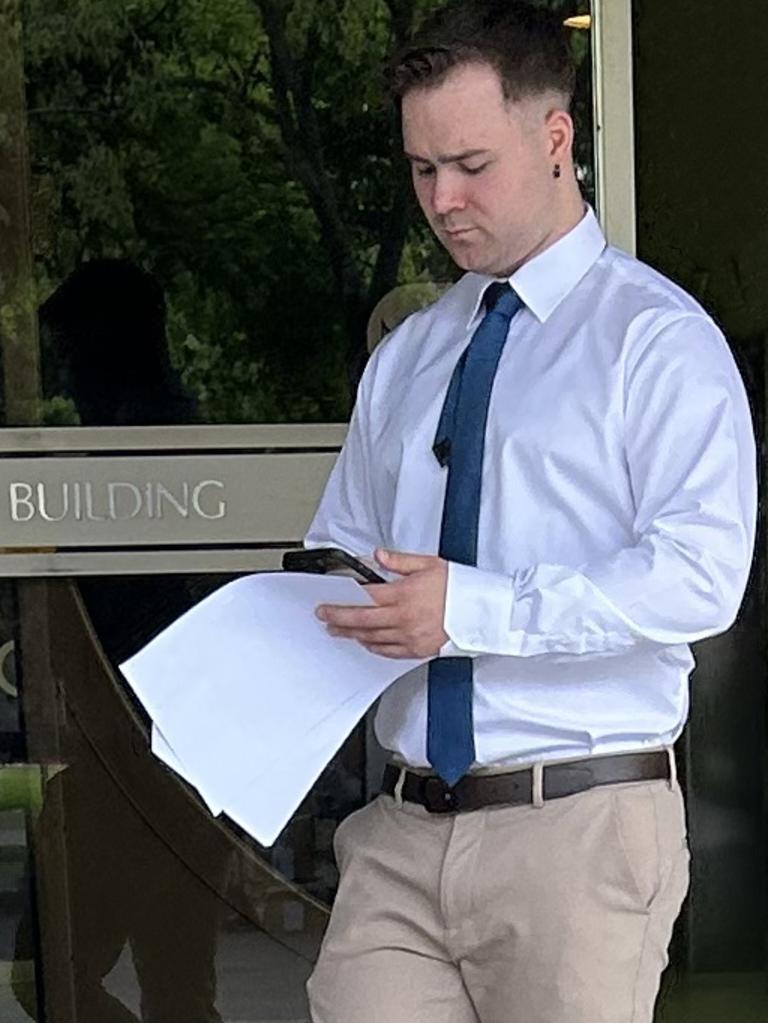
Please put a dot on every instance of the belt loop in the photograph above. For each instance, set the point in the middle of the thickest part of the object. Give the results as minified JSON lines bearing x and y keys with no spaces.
{"x":538,"y":784}
{"x":398,"y":793}
{"x":672,"y":783}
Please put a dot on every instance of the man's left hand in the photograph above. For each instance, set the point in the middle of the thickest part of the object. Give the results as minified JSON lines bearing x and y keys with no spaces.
{"x":407,"y":619}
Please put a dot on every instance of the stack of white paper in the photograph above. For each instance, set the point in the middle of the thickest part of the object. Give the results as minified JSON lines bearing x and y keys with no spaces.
{"x":250,"y":697}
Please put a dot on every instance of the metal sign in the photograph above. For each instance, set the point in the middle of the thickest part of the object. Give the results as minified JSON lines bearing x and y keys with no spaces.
{"x":141,"y":499}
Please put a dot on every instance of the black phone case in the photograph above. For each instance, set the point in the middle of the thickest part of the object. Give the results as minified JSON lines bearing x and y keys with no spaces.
{"x":327,"y":559}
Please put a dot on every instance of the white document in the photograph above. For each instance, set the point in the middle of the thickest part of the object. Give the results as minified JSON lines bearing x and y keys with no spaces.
{"x":250,"y":697}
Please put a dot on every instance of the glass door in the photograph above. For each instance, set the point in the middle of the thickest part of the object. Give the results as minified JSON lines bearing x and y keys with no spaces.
{"x":201,"y":209}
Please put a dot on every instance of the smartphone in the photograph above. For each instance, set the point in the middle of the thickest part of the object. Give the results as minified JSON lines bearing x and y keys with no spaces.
{"x":330,"y":559}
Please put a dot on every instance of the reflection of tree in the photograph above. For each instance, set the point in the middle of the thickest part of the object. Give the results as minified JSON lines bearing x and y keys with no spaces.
{"x":20,"y":395}
{"x":241,"y":151}
{"x":293,"y":80}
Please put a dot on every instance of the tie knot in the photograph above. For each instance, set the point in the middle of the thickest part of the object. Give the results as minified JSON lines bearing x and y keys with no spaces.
{"x":500,"y":297}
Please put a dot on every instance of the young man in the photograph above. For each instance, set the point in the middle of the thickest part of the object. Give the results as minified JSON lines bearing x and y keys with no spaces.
{"x":565,"y":442}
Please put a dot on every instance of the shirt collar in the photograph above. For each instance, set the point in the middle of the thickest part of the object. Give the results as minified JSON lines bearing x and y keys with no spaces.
{"x":548,"y":278}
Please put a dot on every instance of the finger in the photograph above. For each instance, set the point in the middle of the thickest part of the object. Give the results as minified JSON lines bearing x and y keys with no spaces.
{"x":404,"y":564}
{"x":392,"y":651}
{"x":354,"y":617}
{"x":384,"y":594}
{"x":380,"y":637}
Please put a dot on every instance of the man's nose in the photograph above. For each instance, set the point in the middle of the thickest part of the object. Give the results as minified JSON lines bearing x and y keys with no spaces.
{"x":447,"y":195}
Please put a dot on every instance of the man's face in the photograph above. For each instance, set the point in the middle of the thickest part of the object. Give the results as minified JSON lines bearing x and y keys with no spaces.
{"x":482,"y":169}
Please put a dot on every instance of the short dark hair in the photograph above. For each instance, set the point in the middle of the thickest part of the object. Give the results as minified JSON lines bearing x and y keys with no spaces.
{"x":528,"y":47}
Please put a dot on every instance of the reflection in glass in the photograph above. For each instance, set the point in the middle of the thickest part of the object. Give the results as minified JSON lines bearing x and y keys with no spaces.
{"x":146,"y":925}
{"x":243,"y":153}
{"x":19,"y":801}
{"x":170,"y":915}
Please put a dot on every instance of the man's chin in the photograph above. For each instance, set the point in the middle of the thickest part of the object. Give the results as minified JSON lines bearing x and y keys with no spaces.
{"x":465,"y":256}
{"x":469,"y":261}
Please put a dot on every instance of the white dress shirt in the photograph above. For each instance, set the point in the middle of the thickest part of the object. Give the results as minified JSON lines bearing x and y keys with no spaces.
{"x":618,"y":503}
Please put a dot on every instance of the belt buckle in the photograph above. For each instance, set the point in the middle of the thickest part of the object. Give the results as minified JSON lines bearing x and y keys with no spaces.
{"x":439,"y":797}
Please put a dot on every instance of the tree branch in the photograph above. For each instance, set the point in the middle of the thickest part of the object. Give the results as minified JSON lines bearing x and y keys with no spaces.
{"x":401,"y":200}
{"x":222,"y":89}
{"x":301,"y":134}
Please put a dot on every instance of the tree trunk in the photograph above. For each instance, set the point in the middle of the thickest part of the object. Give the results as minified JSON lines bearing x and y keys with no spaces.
{"x":18,"y":312}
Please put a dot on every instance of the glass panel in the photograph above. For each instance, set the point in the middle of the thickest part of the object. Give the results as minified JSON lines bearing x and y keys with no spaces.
{"x":168,"y":914}
{"x":238,"y":162}
{"x":692,"y":211}
{"x":20,"y":797}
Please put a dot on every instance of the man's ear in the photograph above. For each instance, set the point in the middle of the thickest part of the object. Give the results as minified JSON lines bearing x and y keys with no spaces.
{"x":560,"y":133}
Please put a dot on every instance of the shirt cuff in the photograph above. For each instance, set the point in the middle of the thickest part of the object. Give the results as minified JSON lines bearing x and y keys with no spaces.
{"x":478,"y":608}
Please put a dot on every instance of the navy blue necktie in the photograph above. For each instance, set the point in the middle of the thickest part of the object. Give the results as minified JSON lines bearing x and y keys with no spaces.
{"x":459,"y":444}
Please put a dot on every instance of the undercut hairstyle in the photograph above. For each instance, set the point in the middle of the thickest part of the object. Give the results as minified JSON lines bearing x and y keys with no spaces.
{"x":528,"y":47}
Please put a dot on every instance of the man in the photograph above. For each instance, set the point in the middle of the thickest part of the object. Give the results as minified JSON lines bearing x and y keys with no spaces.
{"x":528,"y":857}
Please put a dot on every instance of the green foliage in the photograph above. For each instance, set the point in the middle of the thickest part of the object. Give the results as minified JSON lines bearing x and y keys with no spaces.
{"x":241,"y":151}
{"x":60,"y":411}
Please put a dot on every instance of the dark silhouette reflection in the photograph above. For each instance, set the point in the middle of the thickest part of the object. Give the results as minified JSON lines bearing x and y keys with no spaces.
{"x":103,"y":334}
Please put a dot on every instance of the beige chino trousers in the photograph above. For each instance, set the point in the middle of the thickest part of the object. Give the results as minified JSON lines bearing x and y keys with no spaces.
{"x":554,"y":914}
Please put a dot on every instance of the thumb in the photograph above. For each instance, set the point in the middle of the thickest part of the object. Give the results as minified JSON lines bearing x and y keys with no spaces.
{"x":403,"y":564}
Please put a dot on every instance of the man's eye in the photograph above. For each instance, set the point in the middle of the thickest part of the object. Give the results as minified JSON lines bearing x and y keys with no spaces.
{"x":425,"y":172}
{"x":473,"y":170}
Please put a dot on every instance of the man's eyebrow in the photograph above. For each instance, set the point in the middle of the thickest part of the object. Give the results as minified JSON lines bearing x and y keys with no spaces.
{"x":450,"y":158}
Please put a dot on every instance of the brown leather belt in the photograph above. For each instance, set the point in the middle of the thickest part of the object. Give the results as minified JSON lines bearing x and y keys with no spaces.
{"x":474,"y":791}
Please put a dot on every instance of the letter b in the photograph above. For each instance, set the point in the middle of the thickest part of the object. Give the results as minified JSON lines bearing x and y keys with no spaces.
{"x":22,"y":507}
